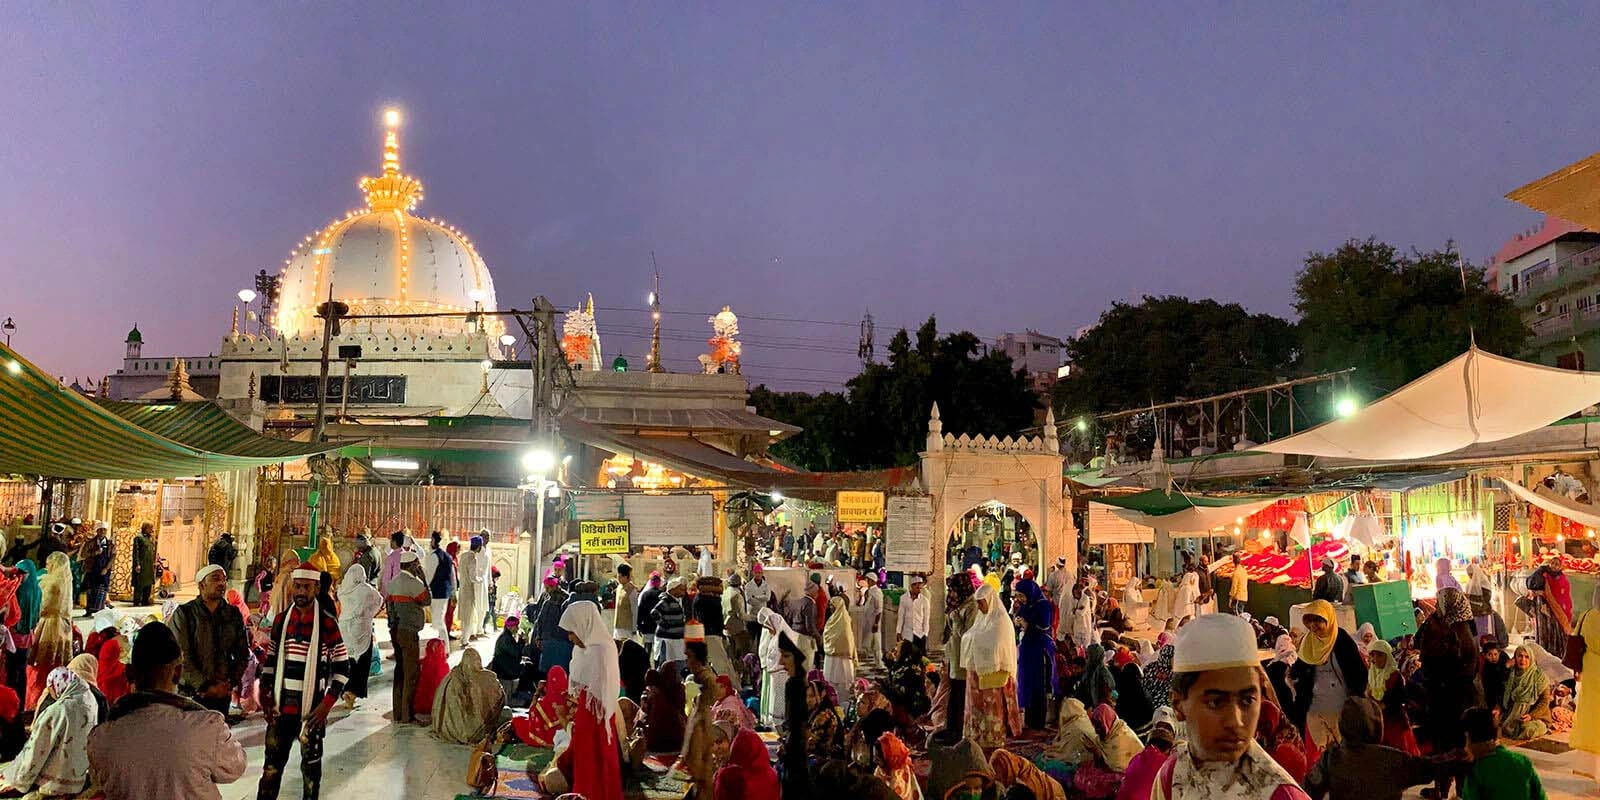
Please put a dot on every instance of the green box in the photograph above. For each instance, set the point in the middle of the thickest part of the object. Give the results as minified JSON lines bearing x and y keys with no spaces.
{"x":1387,"y":606}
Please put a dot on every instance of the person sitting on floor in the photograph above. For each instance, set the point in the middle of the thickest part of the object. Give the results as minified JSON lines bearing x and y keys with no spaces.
{"x":662,"y":720}
{"x":1357,"y":767}
{"x":1495,"y":773}
{"x":893,"y":761}
{"x":1525,"y":706}
{"x":551,"y":713}
{"x":1011,"y":770}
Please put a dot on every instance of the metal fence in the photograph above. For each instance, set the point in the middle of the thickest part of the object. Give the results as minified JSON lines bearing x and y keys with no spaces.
{"x":383,"y":509}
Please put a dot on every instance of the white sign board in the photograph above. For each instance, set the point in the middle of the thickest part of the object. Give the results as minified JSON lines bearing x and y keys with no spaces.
{"x":661,"y":520}
{"x":595,"y":507}
{"x":1105,"y":527}
{"x":908,"y":534}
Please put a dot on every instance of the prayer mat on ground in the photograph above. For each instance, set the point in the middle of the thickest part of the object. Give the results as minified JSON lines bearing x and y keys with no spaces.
{"x":1550,"y":746}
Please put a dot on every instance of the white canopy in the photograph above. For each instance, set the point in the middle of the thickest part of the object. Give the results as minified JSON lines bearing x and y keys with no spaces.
{"x":1195,"y":521}
{"x":1581,"y":513}
{"x":1475,"y":397}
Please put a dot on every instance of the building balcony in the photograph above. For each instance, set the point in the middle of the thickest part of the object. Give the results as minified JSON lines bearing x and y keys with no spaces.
{"x":1562,"y":327}
{"x":1574,"y":270}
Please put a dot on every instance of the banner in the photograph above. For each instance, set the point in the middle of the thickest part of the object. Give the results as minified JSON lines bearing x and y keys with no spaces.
{"x":603,"y":537}
{"x":908,"y":536}
{"x":597,"y":506}
{"x":662,"y":520}
{"x":859,"y":507}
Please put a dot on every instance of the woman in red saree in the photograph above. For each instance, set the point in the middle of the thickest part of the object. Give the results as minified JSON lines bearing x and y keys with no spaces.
{"x":549,"y":714}
{"x":595,"y":683}
{"x":435,"y":665}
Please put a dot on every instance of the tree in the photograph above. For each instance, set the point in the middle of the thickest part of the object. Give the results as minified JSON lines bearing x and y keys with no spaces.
{"x":1396,"y":316}
{"x":881,"y":420}
{"x":1168,"y":348}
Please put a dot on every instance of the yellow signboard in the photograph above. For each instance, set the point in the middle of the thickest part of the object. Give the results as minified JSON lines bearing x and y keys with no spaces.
{"x":603,"y":537}
{"x":859,"y":507}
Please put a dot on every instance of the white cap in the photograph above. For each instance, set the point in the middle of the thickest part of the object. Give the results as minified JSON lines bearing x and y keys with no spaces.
{"x":1215,"y":641}
{"x":304,"y":574}
{"x":408,"y":557}
{"x":206,"y":571}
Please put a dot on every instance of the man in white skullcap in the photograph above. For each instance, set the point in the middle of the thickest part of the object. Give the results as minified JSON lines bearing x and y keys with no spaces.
{"x":302,"y":675}
{"x":215,"y":648}
{"x":1216,"y":692}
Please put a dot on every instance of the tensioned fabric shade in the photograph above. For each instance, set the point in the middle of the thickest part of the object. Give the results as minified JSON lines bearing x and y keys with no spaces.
{"x":1475,"y":397}
{"x":1184,"y":513}
{"x":47,"y":429}
{"x":1571,"y":193}
{"x":203,"y":425}
{"x":1581,"y":513}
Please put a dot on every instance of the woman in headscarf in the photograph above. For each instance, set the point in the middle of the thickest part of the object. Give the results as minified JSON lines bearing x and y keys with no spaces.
{"x":824,"y":734}
{"x":634,"y":660}
{"x":596,"y":683}
{"x":52,"y":636}
{"x":1552,"y":593}
{"x":748,"y":773}
{"x":989,"y":657}
{"x":1036,"y":653}
{"x":1284,"y":656}
{"x":324,"y":559}
{"x":728,"y":708}
{"x":1281,"y":739}
{"x":1365,"y":636}
{"x":1586,"y":720}
{"x":55,"y":761}
{"x":1525,"y":706}
{"x":22,"y":630}
{"x":359,"y":604}
{"x":435,"y":664}
{"x":839,"y":646}
{"x":1157,"y":680}
{"x":663,"y":715}
{"x":236,"y":600}
{"x":468,"y":702}
{"x":1133,"y":705}
{"x":1449,"y":672}
{"x":1388,"y":688}
{"x":1118,"y":743}
{"x":548,"y":714}
{"x":110,"y":673}
{"x":960,"y":768}
{"x":796,"y":764}
{"x":86,"y":666}
{"x":893,"y":761}
{"x":1097,"y":683}
{"x":1480,"y":596}
{"x":1007,"y":769}
{"x":287,"y":564}
{"x":1443,"y":578}
{"x":1328,"y":670}
{"x":264,"y":581}
{"x":1147,"y":653}
{"x":774,"y":705}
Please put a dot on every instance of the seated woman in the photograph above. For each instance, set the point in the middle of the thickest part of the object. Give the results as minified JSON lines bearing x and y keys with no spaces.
{"x":893,"y":760}
{"x":435,"y":665}
{"x":468,"y":703}
{"x":552,"y":712}
{"x":1525,"y":706}
{"x":659,"y":726}
{"x":55,"y":761}
{"x":824,"y":736}
{"x":13,"y":734}
{"x":1010,"y":770}
{"x":728,"y":708}
{"x":748,"y":773}
{"x":1118,"y":743}
{"x":1133,"y":705}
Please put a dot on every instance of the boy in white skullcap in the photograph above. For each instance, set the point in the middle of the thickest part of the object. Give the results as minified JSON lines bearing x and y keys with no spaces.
{"x":1217,"y":691}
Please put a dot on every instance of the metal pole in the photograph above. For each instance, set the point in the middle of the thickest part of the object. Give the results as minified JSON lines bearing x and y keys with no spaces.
{"x":538,"y":540}
{"x":322,"y":375}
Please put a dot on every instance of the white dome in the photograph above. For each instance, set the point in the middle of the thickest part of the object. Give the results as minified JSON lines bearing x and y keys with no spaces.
{"x":384,"y":260}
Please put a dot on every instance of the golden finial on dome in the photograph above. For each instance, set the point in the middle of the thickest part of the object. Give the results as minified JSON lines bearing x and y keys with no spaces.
{"x":393,"y":189}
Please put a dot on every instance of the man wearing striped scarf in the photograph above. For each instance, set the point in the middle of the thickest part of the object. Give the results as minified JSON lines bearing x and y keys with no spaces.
{"x":304,"y":672}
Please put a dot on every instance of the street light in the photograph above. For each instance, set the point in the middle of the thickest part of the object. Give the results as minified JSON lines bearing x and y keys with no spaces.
{"x":1347,"y":406}
{"x":9,"y":327}
{"x":538,"y":463}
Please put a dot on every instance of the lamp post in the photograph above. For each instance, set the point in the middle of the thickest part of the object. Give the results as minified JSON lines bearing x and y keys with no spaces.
{"x":9,"y":328}
{"x":537,"y":463}
{"x":247,"y":296}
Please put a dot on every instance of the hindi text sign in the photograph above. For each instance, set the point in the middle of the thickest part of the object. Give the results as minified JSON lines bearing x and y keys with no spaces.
{"x":603,"y":537}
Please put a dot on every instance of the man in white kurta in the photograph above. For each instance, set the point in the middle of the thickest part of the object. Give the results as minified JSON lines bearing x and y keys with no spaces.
{"x":474,"y":597}
{"x":866,"y":611}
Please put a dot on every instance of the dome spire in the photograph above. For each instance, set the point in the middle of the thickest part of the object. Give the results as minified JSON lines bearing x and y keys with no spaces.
{"x":394,"y":190}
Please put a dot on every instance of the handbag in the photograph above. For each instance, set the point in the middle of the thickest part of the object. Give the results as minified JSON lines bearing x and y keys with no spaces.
{"x":483,"y":773}
{"x":1576,"y":646}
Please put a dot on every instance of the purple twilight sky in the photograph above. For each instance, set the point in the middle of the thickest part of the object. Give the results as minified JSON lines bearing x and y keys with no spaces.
{"x":1002,"y":165}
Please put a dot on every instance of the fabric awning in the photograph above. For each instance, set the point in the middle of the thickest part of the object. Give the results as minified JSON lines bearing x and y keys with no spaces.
{"x":203,"y":425}
{"x":1581,"y":513}
{"x":1184,"y":513}
{"x":683,"y":453}
{"x":47,"y":429}
{"x":1475,"y":397}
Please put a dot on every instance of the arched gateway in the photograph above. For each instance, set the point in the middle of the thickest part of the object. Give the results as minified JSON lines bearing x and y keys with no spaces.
{"x":1024,"y":474}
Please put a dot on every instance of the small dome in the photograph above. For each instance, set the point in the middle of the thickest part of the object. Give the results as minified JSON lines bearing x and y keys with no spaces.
{"x":134,"y":337}
{"x":385,"y":260}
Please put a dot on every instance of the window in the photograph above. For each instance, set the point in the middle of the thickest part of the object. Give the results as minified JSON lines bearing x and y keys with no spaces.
{"x":1514,"y":283}
{"x":1564,"y":308}
{"x":1035,"y":347}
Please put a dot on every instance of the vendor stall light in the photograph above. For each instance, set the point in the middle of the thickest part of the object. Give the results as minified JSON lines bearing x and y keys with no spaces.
{"x":396,"y":464}
{"x":1236,"y":530}
{"x":777,"y":497}
{"x":1589,"y":533}
{"x":1347,"y":406}
{"x":1561,"y":537}
{"x":14,"y":366}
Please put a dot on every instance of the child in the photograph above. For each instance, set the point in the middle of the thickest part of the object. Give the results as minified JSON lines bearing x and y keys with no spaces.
{"x":1358,"y":767}
{"x":1495,"y":773}
{"x":1141,"y":771}
{"x":1216,"y":692}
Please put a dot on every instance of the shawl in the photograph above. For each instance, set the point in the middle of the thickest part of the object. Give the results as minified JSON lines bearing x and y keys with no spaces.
{"x":896,"y":769}
{"x":729,"y":707}
{"x":773,"y":628}
{"x":1314,"y":649}
{"x":838,"y":633}
{"x":1147,"y":653}
{"x":28,"y":598}
{"x":359,"y":603}
{"x":1364,"y":634}
{"x":52,"y":637}
{"x":748,"y":773}
{"x":111,"y":675}
{"x":990,"y":645}
{"x":308,"y":684}
{"x":1378,"y":677}
{"x":433,"y":668}
{"x":467,"y":704}
{"x":1256,"y":776}
{"x":1523,"y":688}
{"x":1442,"y":578}
{"x":1095,"y":686}
{"x":1076,"y":741}
{"x":594,"y":673}
{"x":1451,"y":606}
{"x":948,"y":767}
{"x":1158,"y":677}
{"x":1478,"y":579}
{"x":1011,"y":769}
{"x":85,"y":666}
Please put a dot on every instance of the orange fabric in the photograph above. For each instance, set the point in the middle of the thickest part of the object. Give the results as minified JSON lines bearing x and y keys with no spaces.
{"x":1011,"y":769}
{"x":112,"y":676}
{"x":435,"y":666}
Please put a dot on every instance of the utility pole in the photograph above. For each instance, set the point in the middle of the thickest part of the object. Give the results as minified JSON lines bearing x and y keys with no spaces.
{"x":330,"y":312}
{"x":653,"y":363}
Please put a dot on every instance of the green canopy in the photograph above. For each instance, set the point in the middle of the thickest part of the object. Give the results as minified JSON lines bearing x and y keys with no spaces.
{"x":47,"y":429}
{"x":1157,"y":503}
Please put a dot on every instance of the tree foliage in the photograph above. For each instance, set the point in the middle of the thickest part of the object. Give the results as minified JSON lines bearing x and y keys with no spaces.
{"x":1166,"y":348}
{"x":881,"y":419}
{"x":1395,"y":316}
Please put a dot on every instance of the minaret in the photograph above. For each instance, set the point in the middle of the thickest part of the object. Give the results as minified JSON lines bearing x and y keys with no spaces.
{"x":1052,"y":444}
{"x":653,"y":364}
{"x":935,"y":431}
